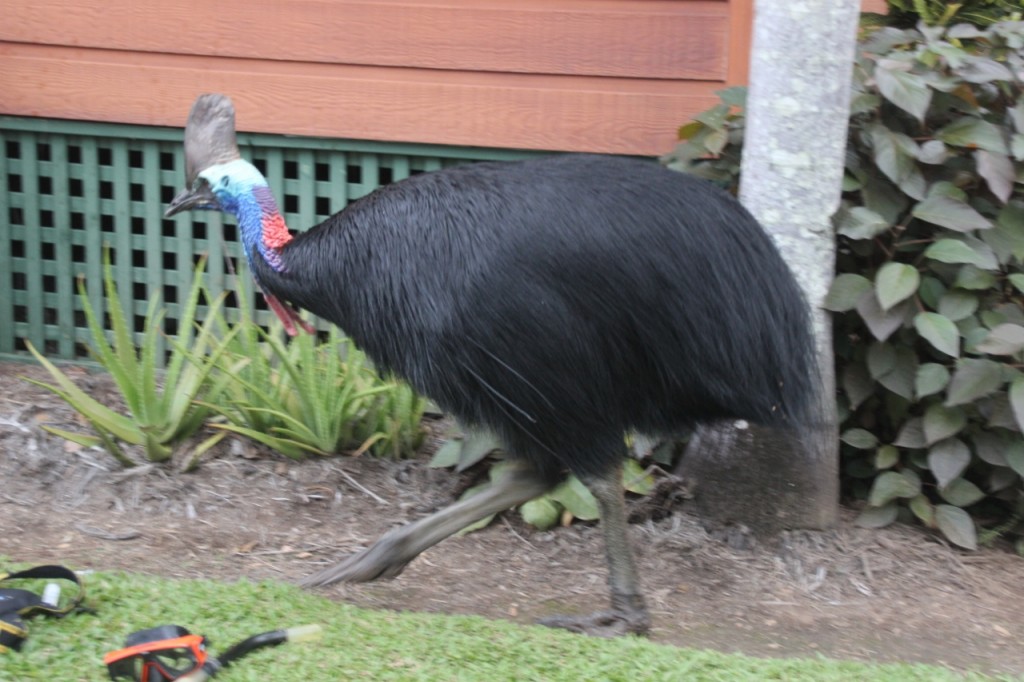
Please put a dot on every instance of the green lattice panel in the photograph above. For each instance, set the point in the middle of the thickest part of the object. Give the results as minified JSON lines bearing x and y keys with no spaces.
{"x":69,"y":190}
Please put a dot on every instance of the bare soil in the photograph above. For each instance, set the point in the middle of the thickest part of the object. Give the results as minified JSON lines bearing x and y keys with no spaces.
{"x":897,"y":594}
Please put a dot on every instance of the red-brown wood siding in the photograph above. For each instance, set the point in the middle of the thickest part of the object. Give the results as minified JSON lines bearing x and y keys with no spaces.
{"x":615,"y":76}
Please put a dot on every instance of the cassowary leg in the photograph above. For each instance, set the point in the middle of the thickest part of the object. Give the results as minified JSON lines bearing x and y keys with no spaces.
{"x":628,"y":613}
{"x":387,"y":557}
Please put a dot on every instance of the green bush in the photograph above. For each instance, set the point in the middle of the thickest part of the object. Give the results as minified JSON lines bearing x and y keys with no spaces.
{"x":929,"y":323}
{"x":908,"y":13}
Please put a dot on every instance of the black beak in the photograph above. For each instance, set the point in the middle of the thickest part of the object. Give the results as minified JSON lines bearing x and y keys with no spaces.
{"x":191,"y":199}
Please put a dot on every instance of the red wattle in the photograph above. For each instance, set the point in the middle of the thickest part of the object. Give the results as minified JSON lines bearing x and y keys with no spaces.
{"x":275,"y":232}
{"x":289,"y":316}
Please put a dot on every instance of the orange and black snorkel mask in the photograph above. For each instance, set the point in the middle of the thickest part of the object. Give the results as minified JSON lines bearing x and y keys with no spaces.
{"x":160,"y":654}
{"x":169,"y":652}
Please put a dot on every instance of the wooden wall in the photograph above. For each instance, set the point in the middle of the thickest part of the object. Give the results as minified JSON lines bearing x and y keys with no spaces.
{"x":616,"y":76}
{"x":597,"y":75}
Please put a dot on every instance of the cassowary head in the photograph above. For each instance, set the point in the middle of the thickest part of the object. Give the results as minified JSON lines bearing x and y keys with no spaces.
{"x":218,"y":178}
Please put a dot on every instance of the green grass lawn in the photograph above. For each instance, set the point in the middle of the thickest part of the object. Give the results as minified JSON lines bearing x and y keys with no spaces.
{"x":358,"y":644}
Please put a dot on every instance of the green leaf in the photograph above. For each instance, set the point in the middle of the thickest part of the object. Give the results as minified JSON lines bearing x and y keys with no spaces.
{"x":735,"y":96}
{"x":973,"y":133}
{"x":716,"y":140}
{"x":931,"y":378}
{"x":1017,"y":146}
{"x":575,"y":497}
{"x":961,"y":492}
{"x":860,"y":222}
{"x":715,"y":117}
{"x":977,"y":69}
{"x":939,"y":331}
{"x":972,"y":331}
{"x":99,"y":415}
{"x":857,"y":384}
{"x":859,"y":438}
{"x":636,"y":479}
{"x":891,"y":485}
{"x":991,"y":447}
{"x":1001,"y":478}
{"x":1017,"y":402}
{"x":846,"y":290}
{"x":933,"y":152}
{"x":881,"y":359}
{"x":900,"y":378}
{"x":906,"y":90}
{"x":974,"y":379}
{"x":923,"y":510}
{"x":947,"y":460}
{"x":895,"y":282}
{"x":883,"y":198}
{"x":965,"y":31}
{"x":286,"y":446}
{"x":1005,"y":339}
{"x":954,"y":251}
{"x":881,"y":323}
{"x":941,"y":422}
{"x":948,"y":212}
{"x":886,"y":457}
{"x":1017,"y":115}
{"x":1015,"y":457}
{"x":542,"y":513}
{"x":80,"y":438}
{"x":1017,"y":280}
{"x":895,"y":155}
{"x":998,"y":171}
{"x":690,"y":129}
{"x":477,"y":444}
{"x":956,"y":525}
{"x":1010,"y":227}
{"x":931,"y":291}
{"x":958,"y":304}
{"x":911,"y":434}
{"x":974,"y":278}
{"x":192,"y":461}
{"x":1000,"y":412}
{"x":877,"y":517}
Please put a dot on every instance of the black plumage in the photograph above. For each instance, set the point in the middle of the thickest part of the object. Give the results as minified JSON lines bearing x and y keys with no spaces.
{"x":562,"y":301}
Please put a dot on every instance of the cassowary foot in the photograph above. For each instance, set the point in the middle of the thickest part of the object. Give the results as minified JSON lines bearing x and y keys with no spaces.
{"x":627,"y":616}
{"x":611,"y":623}
{"x":386,"y":558}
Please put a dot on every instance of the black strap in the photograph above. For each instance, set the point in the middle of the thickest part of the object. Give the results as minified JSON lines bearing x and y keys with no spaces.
{"x":16,"y":603}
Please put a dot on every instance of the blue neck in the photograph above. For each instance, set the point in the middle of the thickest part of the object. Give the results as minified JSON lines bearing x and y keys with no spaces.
{"x":242,"y":191}
{"x":249,"y":213}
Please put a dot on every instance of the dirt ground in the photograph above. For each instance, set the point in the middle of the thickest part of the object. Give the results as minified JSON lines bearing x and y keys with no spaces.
{"x":898,"y":594}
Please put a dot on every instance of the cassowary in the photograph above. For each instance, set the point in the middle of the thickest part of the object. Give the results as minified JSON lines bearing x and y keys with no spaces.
{"x":559,"y":303}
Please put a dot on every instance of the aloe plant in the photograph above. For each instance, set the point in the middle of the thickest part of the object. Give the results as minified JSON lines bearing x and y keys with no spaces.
{"x":163,"y":408}
{"x":310,"y":397}
{"x":396,"y":418}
